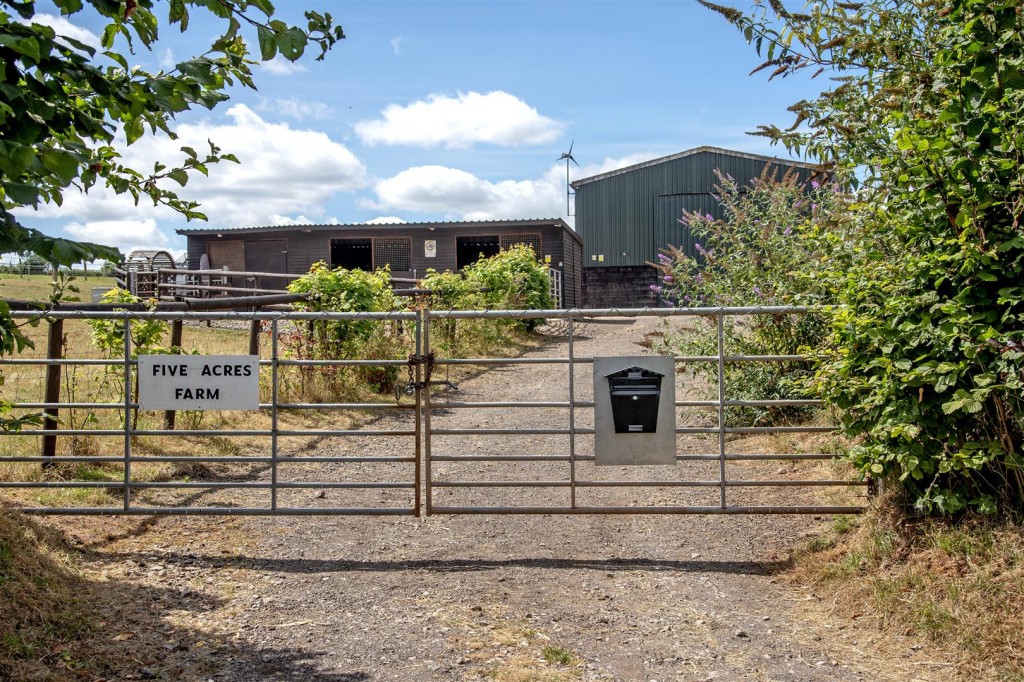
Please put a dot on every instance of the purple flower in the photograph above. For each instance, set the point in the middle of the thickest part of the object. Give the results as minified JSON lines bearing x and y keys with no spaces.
{"x":700,"y":249}
{"x":686,"y":299}
{"x":655,"y":288}
{"x":757,"y":291}
{"x":663,"y":258}
{"x":699,"y":278}
{"x":667,"y":279}
{"x":788,"y":231}
{"x":815,"y":184}
{"x":715,"y":197}
{"x":814,"y":207}
{"x":710,"y":217}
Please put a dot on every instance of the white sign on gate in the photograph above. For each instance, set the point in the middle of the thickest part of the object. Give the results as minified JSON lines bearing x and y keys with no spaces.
{"x":199,"y":382}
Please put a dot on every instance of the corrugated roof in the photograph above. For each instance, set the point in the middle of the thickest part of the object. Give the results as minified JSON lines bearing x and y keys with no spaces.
{"x":690,"y":152}
{"x":315,"y":227}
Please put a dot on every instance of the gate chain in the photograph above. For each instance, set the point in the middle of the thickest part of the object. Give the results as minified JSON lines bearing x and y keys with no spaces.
{"x":414,"y":359}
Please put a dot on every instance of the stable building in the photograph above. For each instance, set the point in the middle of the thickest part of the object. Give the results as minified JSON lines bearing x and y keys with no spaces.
{"x":408,"y":249}
{"x":626,"y":216}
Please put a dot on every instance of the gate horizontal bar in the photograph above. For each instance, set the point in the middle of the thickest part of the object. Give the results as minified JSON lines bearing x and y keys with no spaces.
{"x":578,"y":510}
{"x":218,"y":511}
{"x":224,"y":459}
{"x":644,"y":484}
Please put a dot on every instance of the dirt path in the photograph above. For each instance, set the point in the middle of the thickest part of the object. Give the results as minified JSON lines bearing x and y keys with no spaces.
{"x":489,"y":597}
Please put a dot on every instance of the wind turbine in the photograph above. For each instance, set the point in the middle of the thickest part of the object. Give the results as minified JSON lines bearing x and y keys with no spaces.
{"x":568,"y":157}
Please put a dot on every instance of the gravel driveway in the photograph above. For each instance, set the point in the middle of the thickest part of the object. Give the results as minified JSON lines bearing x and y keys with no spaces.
{"x":502,"y":597}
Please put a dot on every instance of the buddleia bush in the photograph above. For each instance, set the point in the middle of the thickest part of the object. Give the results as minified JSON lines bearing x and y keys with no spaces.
{"x":762,"y":252}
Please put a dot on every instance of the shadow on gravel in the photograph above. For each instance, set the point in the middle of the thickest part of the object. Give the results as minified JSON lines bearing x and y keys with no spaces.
{"x":316,"y":566}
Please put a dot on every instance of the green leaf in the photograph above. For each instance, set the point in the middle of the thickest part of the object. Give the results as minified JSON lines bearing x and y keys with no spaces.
{"x":268,"y":43}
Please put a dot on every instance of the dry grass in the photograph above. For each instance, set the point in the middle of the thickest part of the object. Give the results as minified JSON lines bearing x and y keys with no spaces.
{"x":38,"y":287}
{"x":38,"y":588}
{"x":495,"y":646}
{"x":959,"y":585}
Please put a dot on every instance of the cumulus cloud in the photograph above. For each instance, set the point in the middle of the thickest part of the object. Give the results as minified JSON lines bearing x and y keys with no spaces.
{"x":63,"y":27}
{"x":396,"y":45}
{"x":279,"y":66}
{"x":296,"y":108}
{"x":456,"y":194}
{"x":458,"y":122}
{"x":283,"y":171}
{"x":385,"y":220}
{"x":127,"y":235}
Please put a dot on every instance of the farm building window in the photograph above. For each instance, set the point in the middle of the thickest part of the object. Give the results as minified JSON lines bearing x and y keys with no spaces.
{"x":395,"y":252}
{"x":352,"y":254}
{"x":471,"y":249}
{"x":531,"y":240}
{"x":367,"y":254}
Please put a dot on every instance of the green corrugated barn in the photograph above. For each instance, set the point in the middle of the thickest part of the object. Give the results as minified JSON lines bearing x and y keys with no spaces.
{"x":625,"y":216}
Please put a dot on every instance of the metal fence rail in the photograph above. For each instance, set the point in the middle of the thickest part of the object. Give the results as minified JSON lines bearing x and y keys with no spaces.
{"x":266,"y":467}
{"x":394,"y":457}
{"x":568,"y":479}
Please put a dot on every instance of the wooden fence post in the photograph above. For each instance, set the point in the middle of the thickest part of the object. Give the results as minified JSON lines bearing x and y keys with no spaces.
{"x":176,"y":331}
{"x":54,"y":351}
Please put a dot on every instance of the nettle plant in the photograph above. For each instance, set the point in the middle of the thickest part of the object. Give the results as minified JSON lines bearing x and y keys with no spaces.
{"x":766,"y":250}
{"x":928,"y":108}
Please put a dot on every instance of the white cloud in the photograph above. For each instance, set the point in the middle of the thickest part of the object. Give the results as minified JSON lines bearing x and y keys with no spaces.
{"x":456,"y":194}
{"x":300,"y":220}
{"x":396,"y":45}
{"x":283,"y":171}
{"x":167,"y":59}
{"x":459,"y":122}
{"x":127,"y":235}
{"x":385,"y":220}
{"x":63,"y":27}
{"x":279,"y":66}
{"x":297,"y":109}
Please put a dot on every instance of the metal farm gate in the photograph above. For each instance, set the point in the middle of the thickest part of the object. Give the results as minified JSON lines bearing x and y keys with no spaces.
{"x":421,"y":445}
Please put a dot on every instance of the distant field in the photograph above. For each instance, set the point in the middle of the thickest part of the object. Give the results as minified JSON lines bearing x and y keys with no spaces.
{"x":38,"y":287}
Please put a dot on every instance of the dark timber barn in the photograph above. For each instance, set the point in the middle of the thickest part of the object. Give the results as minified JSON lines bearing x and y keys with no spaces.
{"x":409,"y":249}
{"x":625,"y":216}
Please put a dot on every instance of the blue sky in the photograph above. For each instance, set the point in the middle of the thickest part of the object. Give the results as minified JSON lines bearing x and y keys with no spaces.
{"x":445,"y":111}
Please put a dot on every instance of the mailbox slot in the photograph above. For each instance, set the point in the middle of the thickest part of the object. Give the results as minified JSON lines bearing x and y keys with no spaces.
{"x":635,"y":395}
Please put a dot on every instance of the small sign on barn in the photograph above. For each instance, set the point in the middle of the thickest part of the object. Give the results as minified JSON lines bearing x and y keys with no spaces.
{"x":199,"y":382}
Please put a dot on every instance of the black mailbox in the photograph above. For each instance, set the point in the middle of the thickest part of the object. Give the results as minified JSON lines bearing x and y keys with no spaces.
{"x":635,"y":394}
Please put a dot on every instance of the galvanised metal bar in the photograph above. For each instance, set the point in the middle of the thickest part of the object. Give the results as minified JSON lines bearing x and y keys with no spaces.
{"x":721,"y":405}
{"x":591,"y":458}
{"x":274,"y":360}
{"x":127,"y":414}
{"x":418,"y":413}
{"x":222,"y":459}
{"x":427,"y":437}
{"x":708,"y":510}
{"x":219,"y":511}
{"x":572,"y":416}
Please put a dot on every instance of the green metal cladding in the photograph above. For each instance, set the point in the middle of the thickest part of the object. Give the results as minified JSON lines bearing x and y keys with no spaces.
{"x":628,"y":215}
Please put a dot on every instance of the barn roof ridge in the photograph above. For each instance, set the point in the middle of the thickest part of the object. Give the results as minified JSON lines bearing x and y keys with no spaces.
{"x":689,"y":152}
{"x":330,"y":226}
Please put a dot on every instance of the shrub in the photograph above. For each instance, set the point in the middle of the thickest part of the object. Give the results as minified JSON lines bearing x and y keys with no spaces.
{"x":758,"y":255}
{"x":341,"y":290}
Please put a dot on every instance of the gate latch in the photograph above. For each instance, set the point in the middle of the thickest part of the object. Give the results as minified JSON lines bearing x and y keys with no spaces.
{"x":427,"y":360}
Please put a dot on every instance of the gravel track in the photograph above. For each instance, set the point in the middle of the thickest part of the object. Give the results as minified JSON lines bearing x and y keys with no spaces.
{"x":510,"y":597}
